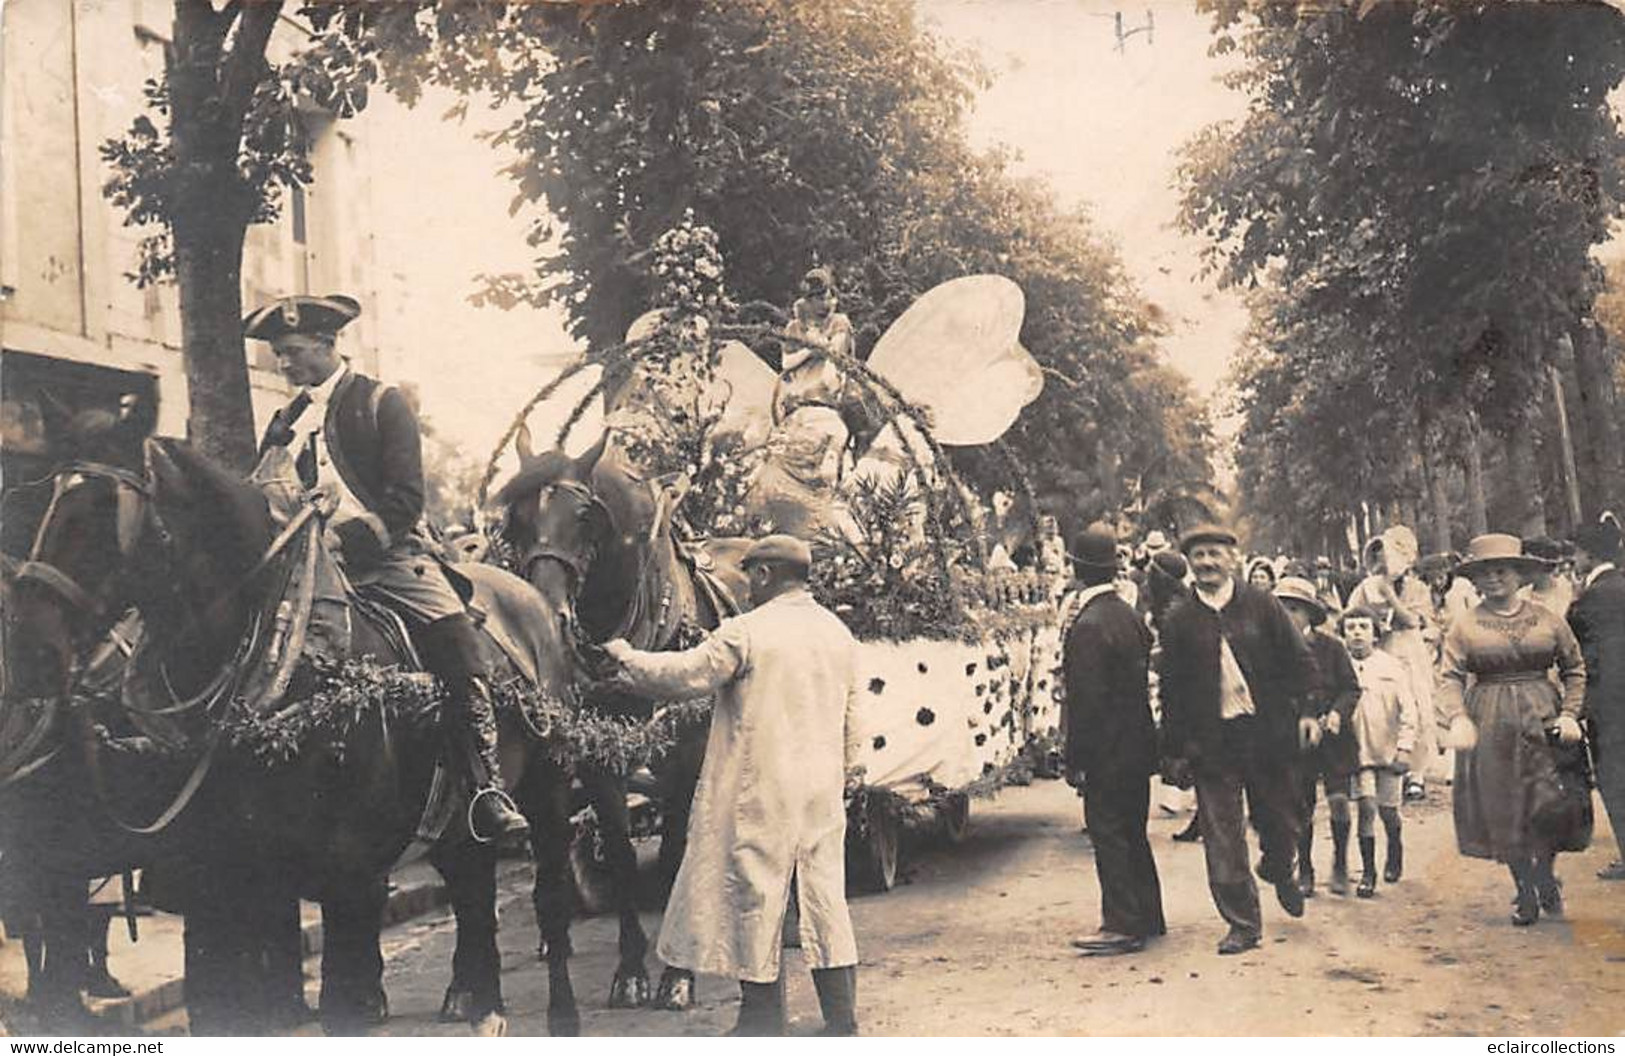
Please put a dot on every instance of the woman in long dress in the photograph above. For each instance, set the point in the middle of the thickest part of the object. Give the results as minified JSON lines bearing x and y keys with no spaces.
{"x":795,"y":487}
{"x":1497,"y":693}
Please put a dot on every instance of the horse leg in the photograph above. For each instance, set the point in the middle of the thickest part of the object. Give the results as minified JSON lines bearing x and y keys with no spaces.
{"x":282,"y":958}
{"x":679,"y":777}
{"x":607,"y":791}
{"x":353,"y":997}
{"x":63,"y":948}
{"x":219,"y":971}
{"x":545,"y":799}
{"x":471,"y":880}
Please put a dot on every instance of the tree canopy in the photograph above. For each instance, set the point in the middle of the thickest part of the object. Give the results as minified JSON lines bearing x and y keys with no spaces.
{"x":804,"y":134}
{"x":1420,"y":185}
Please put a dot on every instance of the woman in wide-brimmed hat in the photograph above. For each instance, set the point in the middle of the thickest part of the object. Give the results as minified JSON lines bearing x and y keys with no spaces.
{"x":1501,"y":706}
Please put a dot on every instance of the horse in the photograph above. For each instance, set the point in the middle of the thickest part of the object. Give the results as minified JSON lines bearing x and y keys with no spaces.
{"x":588,"y":531}
{"x":196,"y":551}
{"x":53,"y":842}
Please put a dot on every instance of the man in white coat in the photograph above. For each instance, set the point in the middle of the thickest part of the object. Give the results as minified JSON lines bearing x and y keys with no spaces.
{"x":771,"y":799}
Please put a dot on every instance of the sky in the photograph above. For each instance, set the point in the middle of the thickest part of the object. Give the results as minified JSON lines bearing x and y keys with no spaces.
{"x":1102,"y":126}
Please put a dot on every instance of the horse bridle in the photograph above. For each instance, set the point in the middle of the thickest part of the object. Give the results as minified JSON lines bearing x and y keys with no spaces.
{"x":577,"y":564}
{"x":133,"y":508}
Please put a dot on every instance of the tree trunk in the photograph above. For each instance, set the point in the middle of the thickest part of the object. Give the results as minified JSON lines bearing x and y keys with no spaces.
{"x":1478,"y":508}
{"x":1433,"y":471}
{"x":209,"y":92}
{"x":1567,"y":444}
{"x":1597,"y":407}
{"x":1524,"y":503}
{"x":208,"y":271}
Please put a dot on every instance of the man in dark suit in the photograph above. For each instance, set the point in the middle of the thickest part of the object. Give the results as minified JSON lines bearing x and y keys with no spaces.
{"x":356,"y":444}
{"x":1111,"y":748}
{"x":1234,"y":672}
{"x":1598,"y":619}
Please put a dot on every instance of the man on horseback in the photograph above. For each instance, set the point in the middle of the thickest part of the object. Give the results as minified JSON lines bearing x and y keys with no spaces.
{"x":355,"y":442}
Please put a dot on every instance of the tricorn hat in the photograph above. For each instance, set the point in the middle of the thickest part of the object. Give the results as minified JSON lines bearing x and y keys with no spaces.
{"x":301,"y":314}
{"x":1206,"y":533}
{"x":780,"y":549}
{"x":1301,"y":591}
{"x":1497,"y":548}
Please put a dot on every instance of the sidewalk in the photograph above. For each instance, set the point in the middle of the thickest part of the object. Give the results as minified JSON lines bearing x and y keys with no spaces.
{"x":152,"y":967}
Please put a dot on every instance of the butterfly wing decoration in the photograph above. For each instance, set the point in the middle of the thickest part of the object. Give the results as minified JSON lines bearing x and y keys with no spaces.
{"x":957,"y":352}
{"x":749,"y":383}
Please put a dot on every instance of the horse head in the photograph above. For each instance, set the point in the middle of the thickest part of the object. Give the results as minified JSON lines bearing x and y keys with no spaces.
{"x":113,"y":538}
{"x":581,"y":529}
{"x":65,"y":595}
{"x":554,"y":523}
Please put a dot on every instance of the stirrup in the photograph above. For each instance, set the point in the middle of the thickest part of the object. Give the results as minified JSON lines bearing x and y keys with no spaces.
{"x":473,"y":801}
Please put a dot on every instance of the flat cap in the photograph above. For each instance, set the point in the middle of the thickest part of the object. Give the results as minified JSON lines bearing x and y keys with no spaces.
{"x":781,"y":549}
{"x":301,"y":314}
{"x":1206,"y":533}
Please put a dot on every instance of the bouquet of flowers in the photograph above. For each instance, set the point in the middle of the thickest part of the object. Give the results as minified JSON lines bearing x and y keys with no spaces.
{"x":688,"y":270}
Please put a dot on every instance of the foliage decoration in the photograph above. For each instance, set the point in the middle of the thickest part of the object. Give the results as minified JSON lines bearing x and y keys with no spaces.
{"x":344,"y":694}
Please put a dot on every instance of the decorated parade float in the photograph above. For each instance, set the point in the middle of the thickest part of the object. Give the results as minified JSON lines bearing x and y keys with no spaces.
{"x":959,"y":646}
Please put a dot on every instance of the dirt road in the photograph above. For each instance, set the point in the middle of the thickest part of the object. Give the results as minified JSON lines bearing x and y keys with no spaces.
{"x":977,"y":943}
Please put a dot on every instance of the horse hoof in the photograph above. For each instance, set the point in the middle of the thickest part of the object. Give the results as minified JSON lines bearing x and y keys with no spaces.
{"x":455,"y":1007}
{"x":676,"y":993}
{"x":491,"y":1025}
{"x":564,"y":1024}
{"x":629,"y":991}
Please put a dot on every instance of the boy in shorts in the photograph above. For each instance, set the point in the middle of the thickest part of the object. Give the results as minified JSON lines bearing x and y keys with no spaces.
{"x":1385,"y":727}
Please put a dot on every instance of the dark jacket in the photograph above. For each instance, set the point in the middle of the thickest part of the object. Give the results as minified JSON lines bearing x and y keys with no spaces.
{"x":1334,"y":687}
{"x":1597,"y":618}
{"x":1107,"y":718}
{"x":372,"y":435}
{"x":1272,"y":655}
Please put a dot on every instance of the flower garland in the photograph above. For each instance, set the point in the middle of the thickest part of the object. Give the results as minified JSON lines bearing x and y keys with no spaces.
{"x":344,"y":694}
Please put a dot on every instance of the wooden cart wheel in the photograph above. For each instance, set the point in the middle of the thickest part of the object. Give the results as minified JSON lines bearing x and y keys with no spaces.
{"x":879,"y":854}
{"x":955,"y":814}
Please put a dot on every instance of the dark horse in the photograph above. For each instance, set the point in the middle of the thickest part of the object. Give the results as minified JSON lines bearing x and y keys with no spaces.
{"x":588,"y":531}
{"x":187,"y":545}
{"x":54,"y":839}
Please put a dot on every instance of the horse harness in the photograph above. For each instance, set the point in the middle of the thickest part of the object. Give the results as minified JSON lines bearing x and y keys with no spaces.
{"x":132,"y":495}
{"x":135,"y":508}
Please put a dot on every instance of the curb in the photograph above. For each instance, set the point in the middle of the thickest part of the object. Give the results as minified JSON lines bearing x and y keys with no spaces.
{"x":405,"y":903}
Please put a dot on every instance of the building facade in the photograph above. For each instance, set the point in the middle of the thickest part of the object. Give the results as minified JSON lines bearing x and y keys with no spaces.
{"x":72,"y":322}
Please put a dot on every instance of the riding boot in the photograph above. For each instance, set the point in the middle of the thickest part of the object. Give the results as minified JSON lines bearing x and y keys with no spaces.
{"x":451,"y":651}
{"x":1368,"y":867}
{"x":838,"y":999}
{"x":1340,"y":857}
{"x":761,"y":1010}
